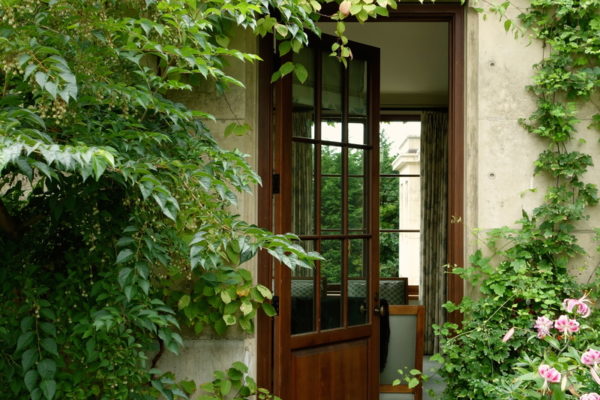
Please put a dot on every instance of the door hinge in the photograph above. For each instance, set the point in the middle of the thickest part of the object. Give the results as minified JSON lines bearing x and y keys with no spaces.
{"x":276,"y":183}
{"x":275,"y":304}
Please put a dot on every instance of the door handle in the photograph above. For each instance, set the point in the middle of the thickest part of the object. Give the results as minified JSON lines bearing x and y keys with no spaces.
{"x":377,"y":310}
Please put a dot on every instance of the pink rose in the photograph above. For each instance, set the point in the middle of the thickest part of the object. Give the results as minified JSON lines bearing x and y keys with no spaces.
{"x":543,"y":325}
{"x":565,"y":325}
{"x":345,"y":7}
{"x":579,"y":305}
{"x":591,"y":357}
{"x":590,"y":396}
{"x":549,"y":374}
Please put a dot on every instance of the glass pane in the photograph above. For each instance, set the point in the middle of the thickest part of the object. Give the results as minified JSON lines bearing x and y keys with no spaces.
{"x":410,"y":202}
{"x":303,"y":96}
{"x":331,"y":160}
{"x":331,"y":284}
{"x":399,"y":147}
{"x":389,"y":255}
{"x":356,"y":203}
{"x":357,"y":261}
{"x":331,"y":96}
{"x":356,"y":162}
{"x":389,"y":210}
{"x":303,"y":189}
{"x":409,"y":247}
{"x":357,"y":132}
{"x":357,"y":87}
{"x":358,"y":283}
{"x":331,"y":130}
{"x":303,"y":296}
{"x":331,"y":205}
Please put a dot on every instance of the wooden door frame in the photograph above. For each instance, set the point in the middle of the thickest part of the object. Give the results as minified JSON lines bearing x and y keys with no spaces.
{"x":454,"y":15}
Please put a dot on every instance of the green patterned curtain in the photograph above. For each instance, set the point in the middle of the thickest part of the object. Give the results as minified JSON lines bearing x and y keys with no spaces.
{"x":434,"y":217}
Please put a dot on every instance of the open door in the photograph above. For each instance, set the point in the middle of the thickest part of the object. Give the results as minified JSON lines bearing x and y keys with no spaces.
{"x":325,"y":163}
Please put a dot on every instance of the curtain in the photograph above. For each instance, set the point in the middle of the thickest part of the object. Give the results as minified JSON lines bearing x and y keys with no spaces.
{"x":434,"y":217}
{"x":303,"y":183}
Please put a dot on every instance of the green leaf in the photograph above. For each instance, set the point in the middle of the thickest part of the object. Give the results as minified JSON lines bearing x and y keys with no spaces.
{"x":31,"y":378}
{"x":27,"y":324}
{"x":225,"y":387}
{"x":220,"y":327}
{"x":286,"y":68}
{"x":48,"y":387}
{"x":124,"y":274}
{"x":225,"y":297}
{"x":300,"y":72}
{"x":183,"y":302}
{"x":49,"y":345}
{"x":246,"y":307}
{"x":51,"y":88}
{"x":269,"y":309}
{"x":188,"y":386}
{"x":28,"y":358}
{"x":47,"y":368}
{"x":41,"y":78}
{"x":24,"y":341}
{"x":48,"y":328}
{"x":264,"y":291}
{"x":124,"y":256}
{"x":229,"y":319}
{"x":284,"y":47}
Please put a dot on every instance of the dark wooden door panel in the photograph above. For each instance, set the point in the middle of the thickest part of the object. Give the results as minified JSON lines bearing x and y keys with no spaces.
{"x":334,"y":372}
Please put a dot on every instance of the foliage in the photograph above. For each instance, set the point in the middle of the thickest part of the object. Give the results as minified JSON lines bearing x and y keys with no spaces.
{"x":234,"y":384}
{"x":569,"y":352}
{"x":524,"y":271}
{"x":116,"y":202}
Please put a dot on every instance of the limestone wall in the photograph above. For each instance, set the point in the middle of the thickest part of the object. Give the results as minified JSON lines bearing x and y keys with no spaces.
{"x":203,"y":355}
{"x":499,"y":179}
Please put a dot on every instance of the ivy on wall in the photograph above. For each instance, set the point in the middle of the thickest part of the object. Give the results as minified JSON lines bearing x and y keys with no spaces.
{"x":115,"y":208}
{"x":525,"y":271}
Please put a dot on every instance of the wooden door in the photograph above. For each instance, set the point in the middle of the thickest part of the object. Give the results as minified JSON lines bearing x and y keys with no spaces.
{"x":325,"y":157}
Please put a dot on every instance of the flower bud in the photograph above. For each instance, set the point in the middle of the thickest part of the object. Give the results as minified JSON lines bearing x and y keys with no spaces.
{"x":345,"y":7}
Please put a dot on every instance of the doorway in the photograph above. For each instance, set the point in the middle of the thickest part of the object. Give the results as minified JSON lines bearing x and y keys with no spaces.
{"x":319,"y":143}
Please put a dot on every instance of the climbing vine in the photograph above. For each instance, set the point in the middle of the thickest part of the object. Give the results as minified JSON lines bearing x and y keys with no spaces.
{"x":116,"y":222}
{"x":524,"y":272}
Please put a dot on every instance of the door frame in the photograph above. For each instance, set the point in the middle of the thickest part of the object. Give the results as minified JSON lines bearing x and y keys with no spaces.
{"x":454,"y":15}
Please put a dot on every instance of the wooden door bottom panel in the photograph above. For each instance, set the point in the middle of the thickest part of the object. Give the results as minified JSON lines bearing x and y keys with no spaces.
{"x":331,"y":372}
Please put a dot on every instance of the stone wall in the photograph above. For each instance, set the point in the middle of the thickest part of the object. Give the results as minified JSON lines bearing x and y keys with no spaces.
{"x":500,"y":154}
{"x":207,"y":353}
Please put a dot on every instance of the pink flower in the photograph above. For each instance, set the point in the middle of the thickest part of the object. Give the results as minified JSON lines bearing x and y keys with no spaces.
{"x":508,"y":334}
{"x":565,"y":325}
{"x":549,"y":374}
{"x":590,"y":396}
{"x":591,"y":357}
{"x":579,"y":305}
{"x":543,"y":325}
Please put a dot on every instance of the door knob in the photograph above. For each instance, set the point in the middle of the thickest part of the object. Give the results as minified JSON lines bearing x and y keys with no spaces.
{"x":377,"y":310}
{"x":380,"y":310}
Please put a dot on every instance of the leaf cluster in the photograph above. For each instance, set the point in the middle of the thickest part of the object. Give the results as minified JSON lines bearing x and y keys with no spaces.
{"x":523,"y":273}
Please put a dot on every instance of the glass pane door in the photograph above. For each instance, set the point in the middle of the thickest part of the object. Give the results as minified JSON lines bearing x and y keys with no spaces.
{"x":331,"y":150}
